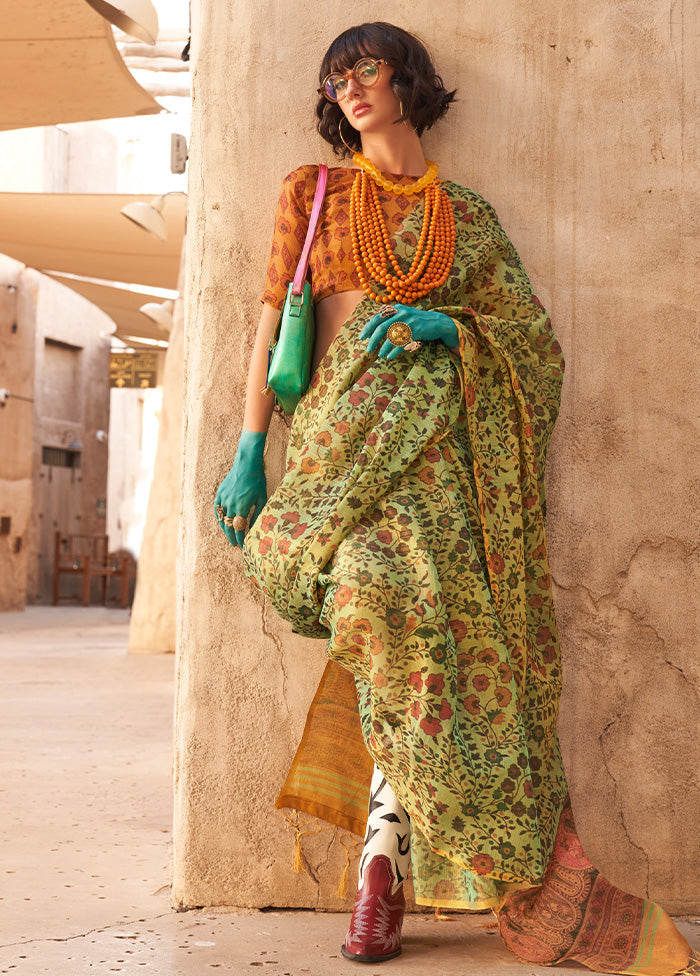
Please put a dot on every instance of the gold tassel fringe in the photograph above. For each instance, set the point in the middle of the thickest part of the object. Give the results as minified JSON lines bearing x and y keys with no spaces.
{"x":314,"y":825}
{"x":299,"y":862}
{"x":353,"y":849}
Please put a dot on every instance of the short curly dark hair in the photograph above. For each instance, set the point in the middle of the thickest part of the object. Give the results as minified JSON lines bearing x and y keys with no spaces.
{"x":420,"y":89}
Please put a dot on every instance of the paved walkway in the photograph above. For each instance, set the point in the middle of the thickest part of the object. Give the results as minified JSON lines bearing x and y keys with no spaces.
{"x":85,"y":832}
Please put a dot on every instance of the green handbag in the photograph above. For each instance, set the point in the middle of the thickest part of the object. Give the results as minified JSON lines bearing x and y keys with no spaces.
{"x":291,"y":348}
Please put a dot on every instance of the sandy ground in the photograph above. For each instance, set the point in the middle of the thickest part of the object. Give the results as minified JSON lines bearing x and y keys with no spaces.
{"x":85,"y":831}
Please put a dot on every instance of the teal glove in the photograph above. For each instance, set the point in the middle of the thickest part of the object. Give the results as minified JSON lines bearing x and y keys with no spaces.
{"x":425,"y":325}
{"x":243,"y":487}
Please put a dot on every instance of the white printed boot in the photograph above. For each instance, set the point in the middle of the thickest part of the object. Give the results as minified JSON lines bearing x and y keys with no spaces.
{"x":375,"y":927}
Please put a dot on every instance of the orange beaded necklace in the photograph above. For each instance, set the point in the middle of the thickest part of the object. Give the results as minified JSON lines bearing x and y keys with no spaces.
{"x":372,"y":250}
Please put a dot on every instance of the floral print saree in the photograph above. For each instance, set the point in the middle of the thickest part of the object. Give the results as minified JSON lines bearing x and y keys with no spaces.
{"x":409,"y":530}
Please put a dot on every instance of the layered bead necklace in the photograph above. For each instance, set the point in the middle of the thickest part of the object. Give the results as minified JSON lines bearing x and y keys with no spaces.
{"x":372,"y":250}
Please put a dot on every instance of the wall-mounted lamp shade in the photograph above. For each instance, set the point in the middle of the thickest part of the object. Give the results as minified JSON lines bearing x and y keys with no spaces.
{"x":138,"y":18}
{"x":159,"y":312}
{"x":148,"y":216}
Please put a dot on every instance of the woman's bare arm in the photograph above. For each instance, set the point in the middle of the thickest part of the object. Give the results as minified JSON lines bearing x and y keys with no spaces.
{"x":258,"y":406}
{"x":331,"y":312}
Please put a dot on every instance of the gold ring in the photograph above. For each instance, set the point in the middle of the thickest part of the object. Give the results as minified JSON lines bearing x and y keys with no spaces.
{"x":239,"y":523}
{"x":399,"y":333}
{"x":387,"y":312}
{"x":220,"y":512}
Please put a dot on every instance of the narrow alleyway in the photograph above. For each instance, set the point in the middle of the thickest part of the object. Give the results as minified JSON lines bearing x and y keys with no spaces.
{"x":85,"y":831}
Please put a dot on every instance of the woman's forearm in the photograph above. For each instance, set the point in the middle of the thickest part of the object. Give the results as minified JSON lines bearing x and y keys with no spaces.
{"x":259,"y":406}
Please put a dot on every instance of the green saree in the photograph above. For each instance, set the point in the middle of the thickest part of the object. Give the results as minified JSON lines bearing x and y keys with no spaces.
{"x":408,"y":530}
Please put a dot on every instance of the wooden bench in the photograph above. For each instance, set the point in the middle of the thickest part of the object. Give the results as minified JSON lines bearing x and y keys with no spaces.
{"x":88,"y":557}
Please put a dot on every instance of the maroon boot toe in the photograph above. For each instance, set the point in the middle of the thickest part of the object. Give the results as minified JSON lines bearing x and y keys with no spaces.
{"x":375,"y":927}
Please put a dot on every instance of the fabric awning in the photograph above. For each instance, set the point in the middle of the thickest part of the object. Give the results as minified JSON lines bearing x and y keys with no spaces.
{"x":121,"y":305}
{"x":85,"y":234}
{"x":60,"y":64}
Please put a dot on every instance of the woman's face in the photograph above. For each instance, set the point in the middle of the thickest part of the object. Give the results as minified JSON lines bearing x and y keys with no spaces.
{"x":371,"y":109}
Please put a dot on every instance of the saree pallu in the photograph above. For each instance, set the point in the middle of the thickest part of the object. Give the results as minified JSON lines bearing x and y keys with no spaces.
{"x":576,"y":915}
{"x":409,"y":531}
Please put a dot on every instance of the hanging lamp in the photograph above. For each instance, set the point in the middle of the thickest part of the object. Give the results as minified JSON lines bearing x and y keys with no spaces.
{"x":160,"y":313}
{"x":149,"y":216}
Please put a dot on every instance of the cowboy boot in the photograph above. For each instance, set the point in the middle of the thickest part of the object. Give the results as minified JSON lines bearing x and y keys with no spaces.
{"x":375,"y":927}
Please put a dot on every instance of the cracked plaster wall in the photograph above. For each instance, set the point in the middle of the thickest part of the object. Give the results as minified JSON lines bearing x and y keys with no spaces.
{"x":578,"y":122}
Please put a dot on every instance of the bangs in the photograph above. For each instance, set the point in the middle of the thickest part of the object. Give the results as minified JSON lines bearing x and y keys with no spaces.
{"x":352,"y":45}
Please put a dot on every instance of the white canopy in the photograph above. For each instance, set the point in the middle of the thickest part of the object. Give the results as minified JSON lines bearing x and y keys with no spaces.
{"x":122,"y":305}
{"x":60,"y":64}
{"x":85,"y":234}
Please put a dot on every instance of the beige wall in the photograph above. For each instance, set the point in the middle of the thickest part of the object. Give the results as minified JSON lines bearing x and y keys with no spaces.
{"x":152,"y":628}
{"x":134,"y":419}
{"x":17,"y":325}
{"x":129,"y":155}
{"x":578,"y":122}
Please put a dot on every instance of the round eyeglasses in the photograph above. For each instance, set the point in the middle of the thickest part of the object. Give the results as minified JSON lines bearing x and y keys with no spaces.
{"x":365,"y":72}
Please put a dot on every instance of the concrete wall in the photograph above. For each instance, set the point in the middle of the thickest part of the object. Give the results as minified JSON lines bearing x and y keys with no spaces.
{"x":578,"y":121}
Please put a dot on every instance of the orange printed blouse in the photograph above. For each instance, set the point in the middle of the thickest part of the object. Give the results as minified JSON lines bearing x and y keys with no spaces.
{"x":330,"y":264}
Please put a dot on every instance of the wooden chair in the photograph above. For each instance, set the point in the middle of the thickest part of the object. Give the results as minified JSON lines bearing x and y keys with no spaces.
{"x":88,"y":556}
{"x":123,"y":569}
{"x":72,"y":557}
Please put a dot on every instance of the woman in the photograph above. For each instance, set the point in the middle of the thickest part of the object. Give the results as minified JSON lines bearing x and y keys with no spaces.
{"x":408,"y":531}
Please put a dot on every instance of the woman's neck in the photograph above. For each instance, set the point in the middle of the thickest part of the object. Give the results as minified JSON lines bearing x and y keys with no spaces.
{"x":402,"y":153}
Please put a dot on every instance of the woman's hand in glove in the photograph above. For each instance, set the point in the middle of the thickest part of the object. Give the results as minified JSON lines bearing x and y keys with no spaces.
{"x":425,"y":325}
{"x":243,"y":487}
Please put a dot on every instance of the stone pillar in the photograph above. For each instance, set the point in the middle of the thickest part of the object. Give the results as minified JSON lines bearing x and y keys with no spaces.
{"x":152,"y":627}
{"x":576,"y":121}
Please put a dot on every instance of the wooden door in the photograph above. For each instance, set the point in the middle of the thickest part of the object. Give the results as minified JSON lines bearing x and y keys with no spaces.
{"x":59,"y":503}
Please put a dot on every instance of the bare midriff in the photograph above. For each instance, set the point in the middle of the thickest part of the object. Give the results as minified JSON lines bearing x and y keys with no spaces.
{"x":330,"y":313}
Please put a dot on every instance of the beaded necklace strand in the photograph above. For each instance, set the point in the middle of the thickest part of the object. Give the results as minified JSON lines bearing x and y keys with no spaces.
{"x":399,"y":188}
{"x":372,"y":250}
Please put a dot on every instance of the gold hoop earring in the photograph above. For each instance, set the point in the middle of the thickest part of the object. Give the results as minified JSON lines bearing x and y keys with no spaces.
{"x":404,"y":121}
{"x":340,"y":133}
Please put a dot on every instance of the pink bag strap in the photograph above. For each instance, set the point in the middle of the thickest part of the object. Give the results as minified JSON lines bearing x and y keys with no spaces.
{"x":300,"y":276}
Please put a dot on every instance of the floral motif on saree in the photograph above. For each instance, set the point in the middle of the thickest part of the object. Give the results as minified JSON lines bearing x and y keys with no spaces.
{"x":409,"y":531}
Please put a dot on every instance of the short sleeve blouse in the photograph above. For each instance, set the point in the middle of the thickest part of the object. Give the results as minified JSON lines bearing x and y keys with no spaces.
{"x":331,"y":264}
